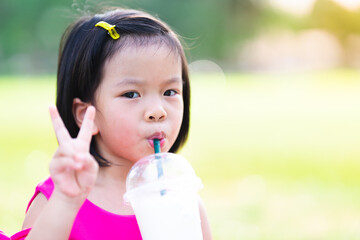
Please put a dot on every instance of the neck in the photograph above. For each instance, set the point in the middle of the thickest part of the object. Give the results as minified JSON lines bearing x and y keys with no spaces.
{"x":114,"y":173}
{"x":109,"y":190}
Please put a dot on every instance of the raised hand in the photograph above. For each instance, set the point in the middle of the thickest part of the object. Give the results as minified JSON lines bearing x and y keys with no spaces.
{"x":73,"y":169}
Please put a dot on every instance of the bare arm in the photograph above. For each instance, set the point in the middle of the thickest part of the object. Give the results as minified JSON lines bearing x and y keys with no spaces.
{"x":34,"y":210}
{"x":51,"y":219}
{"x":205,"y":226}
{"x":73,"y":171}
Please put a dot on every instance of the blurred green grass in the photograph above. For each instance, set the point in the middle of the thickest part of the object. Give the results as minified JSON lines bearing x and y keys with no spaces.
{"x":278,"y":153}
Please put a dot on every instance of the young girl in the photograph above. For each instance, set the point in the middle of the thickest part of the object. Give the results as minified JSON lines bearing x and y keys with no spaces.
{"x":122,"y":82}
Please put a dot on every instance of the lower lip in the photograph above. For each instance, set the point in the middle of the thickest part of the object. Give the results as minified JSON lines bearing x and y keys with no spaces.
{"x":151,"y":142}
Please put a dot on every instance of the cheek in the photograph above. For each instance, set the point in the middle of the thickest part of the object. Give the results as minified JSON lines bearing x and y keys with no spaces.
{"x":180,"y":112}
{"x":178,"y":117}
{"x":118,"y":125}
{"x":128,"y":129}
{"x":124,"y":126}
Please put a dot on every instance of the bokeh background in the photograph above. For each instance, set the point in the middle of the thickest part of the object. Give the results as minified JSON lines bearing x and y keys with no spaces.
{"x":275,"y":109}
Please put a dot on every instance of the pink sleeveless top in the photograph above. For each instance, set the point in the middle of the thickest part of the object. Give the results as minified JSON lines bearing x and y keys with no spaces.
{"x":3,"y":236}
{"x":92,"y":222}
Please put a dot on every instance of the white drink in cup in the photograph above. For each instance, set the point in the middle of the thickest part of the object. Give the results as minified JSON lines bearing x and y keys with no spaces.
{"x":166,"y":205}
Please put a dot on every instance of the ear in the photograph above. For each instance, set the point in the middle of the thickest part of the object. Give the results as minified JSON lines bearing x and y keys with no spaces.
{"x":79,"y":108}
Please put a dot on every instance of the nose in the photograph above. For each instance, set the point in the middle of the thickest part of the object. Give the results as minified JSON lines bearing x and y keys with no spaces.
{"x":155,"y":113}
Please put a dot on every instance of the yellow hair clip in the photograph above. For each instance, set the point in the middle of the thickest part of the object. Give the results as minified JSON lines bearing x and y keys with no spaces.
{"x":110,"y":28}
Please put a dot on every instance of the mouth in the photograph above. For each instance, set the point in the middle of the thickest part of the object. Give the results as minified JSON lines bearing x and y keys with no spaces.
{"x":158,"y":135}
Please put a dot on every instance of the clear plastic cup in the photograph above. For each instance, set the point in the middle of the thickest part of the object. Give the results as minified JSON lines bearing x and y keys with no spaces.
{"x":166,"y":205}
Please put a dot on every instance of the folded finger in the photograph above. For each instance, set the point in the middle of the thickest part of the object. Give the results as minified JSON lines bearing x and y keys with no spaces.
{"x":63,"y":164}
{"x":88,"y":161}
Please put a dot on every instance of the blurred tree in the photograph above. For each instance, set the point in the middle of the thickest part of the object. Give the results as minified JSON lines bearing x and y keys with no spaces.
{"x":330,"y":16}
{"x":31,"y":30}
{"x":30,"y":33}
{"x":212,"y":29}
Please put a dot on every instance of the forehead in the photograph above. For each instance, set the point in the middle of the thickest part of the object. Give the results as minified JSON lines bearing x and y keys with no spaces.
{"x":147,"y":63}
{"x":140,"y":42}
{"x":147,"y":52}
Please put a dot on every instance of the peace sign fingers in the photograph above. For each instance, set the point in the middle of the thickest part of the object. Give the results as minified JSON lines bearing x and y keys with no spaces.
{"x":85,"y":133}
{"x":73,"y":169}
{"x":61,"y":132}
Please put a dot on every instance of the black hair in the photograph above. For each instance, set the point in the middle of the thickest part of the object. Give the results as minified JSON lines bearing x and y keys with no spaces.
{"x":85,"y":48}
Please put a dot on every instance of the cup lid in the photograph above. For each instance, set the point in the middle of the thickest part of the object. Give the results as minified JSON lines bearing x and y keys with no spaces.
{"x":162,"y":170}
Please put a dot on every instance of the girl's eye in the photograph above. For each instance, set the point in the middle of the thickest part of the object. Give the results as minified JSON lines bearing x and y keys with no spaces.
{"x":170,"y":92}
{"x":131,"y":95}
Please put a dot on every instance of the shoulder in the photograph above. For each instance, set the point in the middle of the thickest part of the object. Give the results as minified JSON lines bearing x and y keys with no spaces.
{"x":205,"y":225}
{"x":46,"y":187}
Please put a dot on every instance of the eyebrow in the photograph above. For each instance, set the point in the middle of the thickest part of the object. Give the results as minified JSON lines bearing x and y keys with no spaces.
{"x":174,"y":80}
{"x":135,"y":81}
{"x":129,"y":81}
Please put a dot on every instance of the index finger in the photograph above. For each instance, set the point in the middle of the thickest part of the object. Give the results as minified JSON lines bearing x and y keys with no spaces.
{"x":86,"y":129}
{"x":61,"y":132}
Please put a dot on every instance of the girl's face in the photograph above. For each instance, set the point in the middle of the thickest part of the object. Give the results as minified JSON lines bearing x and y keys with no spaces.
{"x":139,"y":99}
